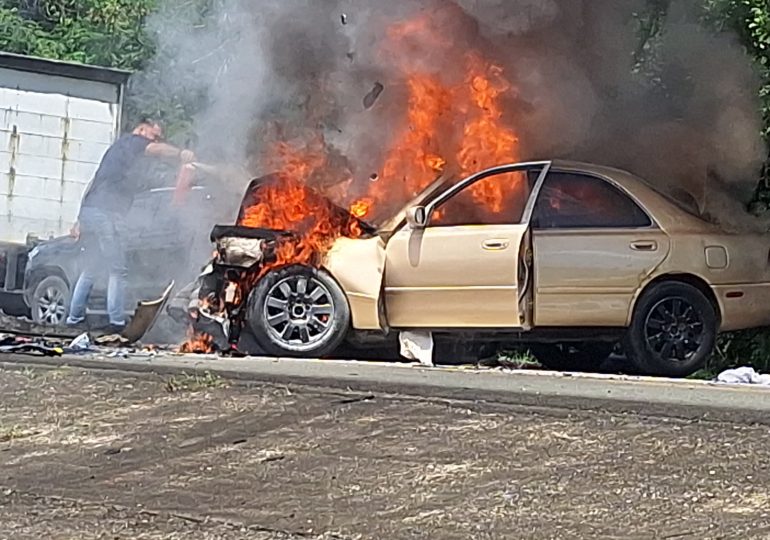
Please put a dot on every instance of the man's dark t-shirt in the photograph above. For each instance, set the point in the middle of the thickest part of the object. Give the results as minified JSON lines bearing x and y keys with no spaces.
{"x":114,"y":186}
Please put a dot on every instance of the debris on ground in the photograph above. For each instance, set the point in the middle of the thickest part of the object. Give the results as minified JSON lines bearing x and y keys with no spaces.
{"x":743,"y":375}
{"x":417,"y":346}
{"x":12,"y":344}
{"x":80,"y":344}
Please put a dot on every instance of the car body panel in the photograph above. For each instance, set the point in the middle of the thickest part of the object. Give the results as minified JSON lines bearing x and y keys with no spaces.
{"x":440,"y":277}
{"x":454,"y":277}
{"x":590,"y":277}
{"x":358,"y":267}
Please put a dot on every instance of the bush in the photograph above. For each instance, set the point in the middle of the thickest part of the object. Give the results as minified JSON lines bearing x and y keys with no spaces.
{"x":746,"y":348}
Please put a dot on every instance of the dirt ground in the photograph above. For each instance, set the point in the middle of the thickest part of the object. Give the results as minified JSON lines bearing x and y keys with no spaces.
{"x":109,"y":456}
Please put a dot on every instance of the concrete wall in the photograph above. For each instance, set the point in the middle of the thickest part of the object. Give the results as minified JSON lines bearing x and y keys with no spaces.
{"x":53,"y":132}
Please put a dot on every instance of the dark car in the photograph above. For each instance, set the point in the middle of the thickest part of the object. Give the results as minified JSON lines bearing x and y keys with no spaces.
{"x":162,"y":237}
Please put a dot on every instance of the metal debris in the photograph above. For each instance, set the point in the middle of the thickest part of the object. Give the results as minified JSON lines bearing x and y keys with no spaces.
{"x":371,"y":97}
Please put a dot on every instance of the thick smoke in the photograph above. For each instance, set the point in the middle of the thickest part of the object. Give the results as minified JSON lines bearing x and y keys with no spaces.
{"x":687,"y":120}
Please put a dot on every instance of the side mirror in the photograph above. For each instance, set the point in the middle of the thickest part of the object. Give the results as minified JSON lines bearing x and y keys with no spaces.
{"x":417,"y":217}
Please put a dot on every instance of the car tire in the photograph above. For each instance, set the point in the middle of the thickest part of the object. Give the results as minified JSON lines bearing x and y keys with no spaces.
{"x":298,"y":311}
{"x":586,"y":356}
{"x":50,"y":301}
{"x":673,"y":330}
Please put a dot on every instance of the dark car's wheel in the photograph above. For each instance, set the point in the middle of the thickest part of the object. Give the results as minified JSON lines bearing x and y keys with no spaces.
{"x":673,"y":330}
{"x":49,"y":302}
{"x":298,"y":311}
{"x":586,"y":356}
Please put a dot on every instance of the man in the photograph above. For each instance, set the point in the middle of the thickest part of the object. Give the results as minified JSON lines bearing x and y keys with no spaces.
{"x":104,"y":206}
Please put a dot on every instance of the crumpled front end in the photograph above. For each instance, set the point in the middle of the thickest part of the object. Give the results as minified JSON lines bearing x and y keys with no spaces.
{"x":216,"y":303}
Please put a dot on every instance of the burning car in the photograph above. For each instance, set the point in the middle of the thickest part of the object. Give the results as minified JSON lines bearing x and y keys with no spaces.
{"x":569,"y":258}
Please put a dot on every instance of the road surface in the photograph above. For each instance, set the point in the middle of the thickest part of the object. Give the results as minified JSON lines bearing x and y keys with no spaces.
{"x":115,"y":455}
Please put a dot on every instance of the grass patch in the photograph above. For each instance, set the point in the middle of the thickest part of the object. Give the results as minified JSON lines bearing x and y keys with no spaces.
{"x":518,"y":359}
{"x":194,"y":383}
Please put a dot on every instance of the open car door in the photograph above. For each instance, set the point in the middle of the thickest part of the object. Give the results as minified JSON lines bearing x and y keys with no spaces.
{"x":463,"y":260}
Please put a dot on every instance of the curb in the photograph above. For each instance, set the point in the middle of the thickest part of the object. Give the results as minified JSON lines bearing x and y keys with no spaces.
{"x":693,"y":400}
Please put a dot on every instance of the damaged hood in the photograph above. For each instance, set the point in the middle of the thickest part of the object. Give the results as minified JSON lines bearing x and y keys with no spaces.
{"x":251,"y":198}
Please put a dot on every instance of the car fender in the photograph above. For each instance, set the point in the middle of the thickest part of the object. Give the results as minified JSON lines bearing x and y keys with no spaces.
{"x":358,"y":265}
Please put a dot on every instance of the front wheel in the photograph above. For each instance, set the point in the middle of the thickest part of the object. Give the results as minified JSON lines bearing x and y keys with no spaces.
{"x":673,"y":330}
{"x":298,"y":311}
{"x":49,"y":302}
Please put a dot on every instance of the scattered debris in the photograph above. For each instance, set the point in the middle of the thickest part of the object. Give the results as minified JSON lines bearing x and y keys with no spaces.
{"x":417,"y":346}
{"x":743,"y":375}
{"x":80,"y":344}
{"x":10,"y":344}
{"x":371,"y":98}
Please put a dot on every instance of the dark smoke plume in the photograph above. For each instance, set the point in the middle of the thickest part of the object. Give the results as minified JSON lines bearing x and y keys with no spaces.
{"x":686,"y":118}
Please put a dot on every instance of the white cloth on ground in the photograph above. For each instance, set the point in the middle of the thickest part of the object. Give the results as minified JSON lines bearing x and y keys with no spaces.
{"x":417,"y":346}
{"x":743,"y":375}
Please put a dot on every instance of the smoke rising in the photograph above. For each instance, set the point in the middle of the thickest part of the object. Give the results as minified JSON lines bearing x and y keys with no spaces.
{"x":687,"y":119}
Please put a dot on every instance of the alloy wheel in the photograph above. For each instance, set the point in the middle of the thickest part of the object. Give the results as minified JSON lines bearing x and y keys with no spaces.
{"x":674,"y":329}
{"x":299,"y":311}
{"x":52,"y":306}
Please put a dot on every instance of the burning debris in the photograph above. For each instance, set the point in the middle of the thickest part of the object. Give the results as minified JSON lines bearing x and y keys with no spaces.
{"x":371,"y":98}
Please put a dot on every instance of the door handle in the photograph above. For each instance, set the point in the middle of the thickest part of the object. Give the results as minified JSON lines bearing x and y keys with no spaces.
{"x":644,"y":245}
{"x":495,"y":245}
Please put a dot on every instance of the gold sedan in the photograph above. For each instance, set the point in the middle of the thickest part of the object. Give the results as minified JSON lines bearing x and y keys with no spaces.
{"x":569,"y":258}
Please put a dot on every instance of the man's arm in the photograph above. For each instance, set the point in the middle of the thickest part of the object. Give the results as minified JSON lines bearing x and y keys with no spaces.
{"x":166,"y":151}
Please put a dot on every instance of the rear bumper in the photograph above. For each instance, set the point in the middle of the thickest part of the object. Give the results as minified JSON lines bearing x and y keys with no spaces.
{"x":744,"y":306}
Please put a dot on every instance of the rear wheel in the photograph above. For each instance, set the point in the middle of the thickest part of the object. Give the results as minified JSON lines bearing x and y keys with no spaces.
{"x":50,"y":300}
{"x":586,"y":356}
{"x":673,"y":331}
{"x":298,"y":311}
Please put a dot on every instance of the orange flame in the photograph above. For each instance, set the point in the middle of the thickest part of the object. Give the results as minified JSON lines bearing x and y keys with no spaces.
{"x":291,"y":205}
{"x":197,"y":343}
{"x":487,"y":142}
{"x":456,"y":122}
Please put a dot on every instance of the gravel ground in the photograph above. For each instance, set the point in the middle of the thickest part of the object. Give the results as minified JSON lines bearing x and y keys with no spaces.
{"x":110,"y":456}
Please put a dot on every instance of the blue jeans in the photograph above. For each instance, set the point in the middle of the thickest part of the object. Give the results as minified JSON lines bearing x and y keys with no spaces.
{"x":102,"y":250}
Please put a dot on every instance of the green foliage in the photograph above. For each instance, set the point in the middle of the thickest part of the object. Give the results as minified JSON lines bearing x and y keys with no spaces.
{"x":746,"y":348}
{"x":750,"y":19}
{"x":101,"y":32}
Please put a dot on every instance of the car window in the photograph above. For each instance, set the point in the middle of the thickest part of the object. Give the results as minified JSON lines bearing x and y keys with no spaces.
{"x":580,"y":201}
{"x":495,"y":200}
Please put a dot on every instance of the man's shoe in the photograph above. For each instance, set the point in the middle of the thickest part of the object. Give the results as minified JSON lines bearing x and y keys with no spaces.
{"x":112,"y":329}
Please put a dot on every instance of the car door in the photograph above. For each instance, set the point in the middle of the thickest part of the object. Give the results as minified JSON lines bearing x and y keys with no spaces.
{"x":593,"y":247}
{"x":465,"y":266}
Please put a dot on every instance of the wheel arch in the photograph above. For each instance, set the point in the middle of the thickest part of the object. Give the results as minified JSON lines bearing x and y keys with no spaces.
{"x":686,"y":278}
{"x":36,"y":275}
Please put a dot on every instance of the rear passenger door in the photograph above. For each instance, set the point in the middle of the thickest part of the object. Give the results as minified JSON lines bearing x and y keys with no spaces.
{"x":593,"y":246}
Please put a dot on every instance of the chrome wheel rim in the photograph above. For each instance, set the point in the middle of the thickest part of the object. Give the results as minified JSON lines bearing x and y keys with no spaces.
{"x":674,"y":330}
{"x":52,"y":306}
{"x":299,"y":312}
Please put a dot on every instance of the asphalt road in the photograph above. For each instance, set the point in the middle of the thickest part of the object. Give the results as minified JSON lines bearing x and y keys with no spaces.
{"x":106,"y":454}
